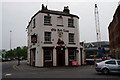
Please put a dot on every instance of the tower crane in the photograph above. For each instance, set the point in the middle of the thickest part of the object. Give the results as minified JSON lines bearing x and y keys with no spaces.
{"x":97,"y":24}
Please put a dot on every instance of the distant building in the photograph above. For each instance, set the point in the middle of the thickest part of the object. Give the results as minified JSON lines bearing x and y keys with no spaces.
{"x":114,"y":34}
{"x":2,"y":52}
{"x":53,"y":38}
{"x":91,"y":48}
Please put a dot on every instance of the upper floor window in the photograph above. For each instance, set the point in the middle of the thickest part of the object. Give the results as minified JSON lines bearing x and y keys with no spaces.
{"x":33,"y":38}
{"x":70,"y":22}
{"x":47,"y":20}
{"x":34,"y":23}
{"x":71,"y":37}
{"x":47,"y":37}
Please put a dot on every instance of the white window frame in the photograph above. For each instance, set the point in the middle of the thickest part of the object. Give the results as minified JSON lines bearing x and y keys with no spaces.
{"x":71,"y":40}
{"x":47,"y":19}
{"x":47,"y":37}
{"x":70,"y":22}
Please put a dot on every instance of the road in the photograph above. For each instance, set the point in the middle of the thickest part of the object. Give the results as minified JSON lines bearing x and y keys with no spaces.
{"x":11,"y":70}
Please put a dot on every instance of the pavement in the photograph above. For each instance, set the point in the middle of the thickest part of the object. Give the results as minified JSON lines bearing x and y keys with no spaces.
{"x":25,"y":67}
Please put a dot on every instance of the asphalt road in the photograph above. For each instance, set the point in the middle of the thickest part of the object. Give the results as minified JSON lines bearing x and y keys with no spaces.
{"x":11,"y":70}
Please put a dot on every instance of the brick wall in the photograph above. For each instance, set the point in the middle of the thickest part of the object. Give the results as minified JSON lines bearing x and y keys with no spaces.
{"x":114,"y":34}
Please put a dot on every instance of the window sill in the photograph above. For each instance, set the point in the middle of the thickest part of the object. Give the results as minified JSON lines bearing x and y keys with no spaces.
{"x":72,"y":60}
{"x":47,"y":42}
{"x":33,"y":43}
{"x":60,"y":25}
{"x":48,"y":24}
{"x":48,"y":60}
{"x":71,"y":26}
{"x":72,"y":43}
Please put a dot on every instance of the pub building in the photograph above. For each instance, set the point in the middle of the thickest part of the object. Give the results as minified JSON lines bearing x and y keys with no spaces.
{"x":53,"y":39}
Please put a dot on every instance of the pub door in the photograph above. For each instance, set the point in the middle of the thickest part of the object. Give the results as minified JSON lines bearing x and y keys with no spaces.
{"x":32,"y":56}
{"x":60,"y":57}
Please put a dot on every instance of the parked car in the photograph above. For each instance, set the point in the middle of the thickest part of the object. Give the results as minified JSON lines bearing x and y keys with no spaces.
{"x":108,"y":66}
{"x":3,"y":59}
{"x":6,"y":59}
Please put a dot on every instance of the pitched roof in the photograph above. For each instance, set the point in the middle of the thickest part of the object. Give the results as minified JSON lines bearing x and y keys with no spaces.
{"x":58,"y":13}
{"x":53,"y":12}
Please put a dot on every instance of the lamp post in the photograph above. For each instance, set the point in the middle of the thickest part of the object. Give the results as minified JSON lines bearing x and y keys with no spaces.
{"x":10,"y":39}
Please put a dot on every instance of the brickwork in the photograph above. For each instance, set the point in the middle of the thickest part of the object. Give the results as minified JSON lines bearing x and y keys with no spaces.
{"x":114,"y":34}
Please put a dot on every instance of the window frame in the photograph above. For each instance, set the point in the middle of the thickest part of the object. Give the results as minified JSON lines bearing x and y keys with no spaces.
{"x":34,"y":23}
{"x":71,"y":22}
{"x":51,"y":55}
{"x":47,"y":20}
{"x":72,"y":54}
{"x":108,"y":62}
{"x":73,"y":37}
{"x":45,"y":40}
{"x":118,"y":62}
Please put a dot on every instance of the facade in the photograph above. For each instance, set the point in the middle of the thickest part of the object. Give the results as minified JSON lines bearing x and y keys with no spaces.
{"x":114,"y":34}
{"x":53,"y":38}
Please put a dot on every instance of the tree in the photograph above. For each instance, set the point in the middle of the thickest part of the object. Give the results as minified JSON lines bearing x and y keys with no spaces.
{"x":24,"y":51}
{"x":21,"y":52}
{"x":17,"y":52}
{"x":9,"y":53}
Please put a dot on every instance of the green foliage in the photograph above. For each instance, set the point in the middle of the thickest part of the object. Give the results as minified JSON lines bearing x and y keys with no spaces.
{"x":9,"y":53}
{"x":17,"y":52}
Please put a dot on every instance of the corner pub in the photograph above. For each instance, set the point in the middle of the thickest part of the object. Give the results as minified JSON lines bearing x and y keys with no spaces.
{"x":53,"y":38}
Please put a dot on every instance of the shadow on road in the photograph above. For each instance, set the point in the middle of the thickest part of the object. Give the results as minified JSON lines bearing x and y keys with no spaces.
{"x":110,"y":74}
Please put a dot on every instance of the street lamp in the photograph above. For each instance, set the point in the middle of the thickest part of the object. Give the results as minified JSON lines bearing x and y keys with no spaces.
{"x":10,"y":39}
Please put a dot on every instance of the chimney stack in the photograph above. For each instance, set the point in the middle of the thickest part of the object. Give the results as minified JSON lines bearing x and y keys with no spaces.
{"x":66,"y":10}
{"x":43,"y":7}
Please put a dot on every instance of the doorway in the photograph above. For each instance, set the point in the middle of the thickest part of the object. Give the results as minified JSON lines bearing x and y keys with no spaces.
{"x":60,"y":56}
{"x":32,"y":56}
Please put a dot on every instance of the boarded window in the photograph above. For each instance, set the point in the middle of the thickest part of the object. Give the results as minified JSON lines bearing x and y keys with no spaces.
{"x":60,"y":21}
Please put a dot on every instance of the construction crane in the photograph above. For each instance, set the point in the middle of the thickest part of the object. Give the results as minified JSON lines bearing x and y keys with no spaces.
{"x":97,"y":24}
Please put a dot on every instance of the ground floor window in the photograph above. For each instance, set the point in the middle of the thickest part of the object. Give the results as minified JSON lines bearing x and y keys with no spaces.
{"x":72,"y":55}
{"x":48,"y":55}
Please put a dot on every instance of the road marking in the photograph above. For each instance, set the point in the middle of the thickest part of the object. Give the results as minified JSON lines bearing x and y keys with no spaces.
{"x":8,"y":74}
{"x":14,"y":67}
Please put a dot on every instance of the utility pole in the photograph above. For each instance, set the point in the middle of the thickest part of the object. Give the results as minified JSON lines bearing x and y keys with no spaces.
{"x":10,"y":38}
{"x":97,"y":25}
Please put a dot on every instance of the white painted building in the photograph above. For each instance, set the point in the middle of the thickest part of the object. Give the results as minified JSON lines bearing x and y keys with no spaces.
{"x":53,"y":38}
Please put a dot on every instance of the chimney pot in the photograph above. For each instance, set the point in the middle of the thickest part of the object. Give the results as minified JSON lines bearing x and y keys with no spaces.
{"x":66,"y":10}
